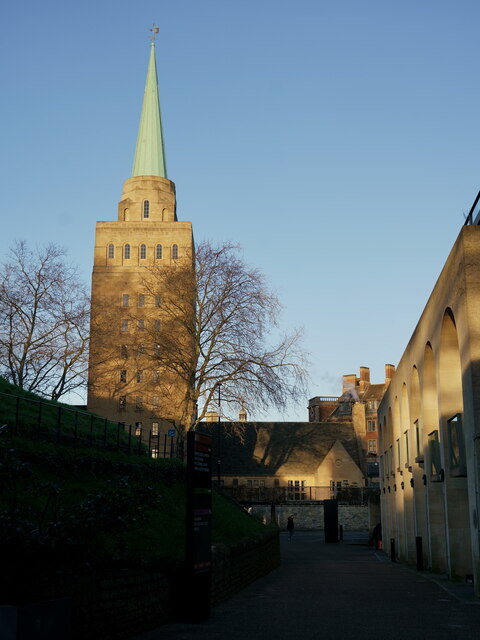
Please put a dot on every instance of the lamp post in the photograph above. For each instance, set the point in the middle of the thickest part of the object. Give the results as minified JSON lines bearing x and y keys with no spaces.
{"x":219,"y":385}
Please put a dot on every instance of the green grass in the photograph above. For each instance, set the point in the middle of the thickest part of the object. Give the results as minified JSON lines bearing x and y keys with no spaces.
{"x":67,"y":506}
{"x":35,"y":417}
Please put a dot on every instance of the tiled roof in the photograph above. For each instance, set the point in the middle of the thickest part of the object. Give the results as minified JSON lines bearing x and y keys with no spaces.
{"x":270,"y":448}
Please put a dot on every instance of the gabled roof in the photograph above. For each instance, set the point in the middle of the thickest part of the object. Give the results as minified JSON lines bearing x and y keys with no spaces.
{"x":270,"y":448}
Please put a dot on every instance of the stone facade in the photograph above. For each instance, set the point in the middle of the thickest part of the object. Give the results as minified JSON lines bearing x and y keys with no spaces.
{"x":430,"y":426}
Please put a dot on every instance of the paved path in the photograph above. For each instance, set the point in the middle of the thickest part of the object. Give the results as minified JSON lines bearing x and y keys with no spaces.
{"x":337,"y":591}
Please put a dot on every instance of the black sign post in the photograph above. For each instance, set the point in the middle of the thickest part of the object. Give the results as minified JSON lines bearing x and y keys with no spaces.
{"x":199,"y":517}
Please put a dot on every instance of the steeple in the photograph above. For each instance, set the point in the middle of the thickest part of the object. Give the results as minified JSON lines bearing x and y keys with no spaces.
{"x":150,"y":152}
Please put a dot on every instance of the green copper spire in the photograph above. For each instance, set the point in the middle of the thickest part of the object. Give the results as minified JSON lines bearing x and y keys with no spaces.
{"x":150,"y":153}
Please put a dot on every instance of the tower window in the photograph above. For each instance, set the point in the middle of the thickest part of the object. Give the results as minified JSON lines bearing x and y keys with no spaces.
{"x":123,"y":375}
{"x":124,"y":325}
{"x":138,"y":429}
{"x":139,"y":375}
{"x":125,"y":300}
{"x":155,"y":401}
{"x":157,"y":351}
{"x":138,"y":403}
{"x":126,"y":252}
{"x":174,"y":251}
{"x":122,"y":403}
{"x":156,"y":377}
{"x":154,"y":428}
{"x":141,"y":325}
{"x":143,"y":251}
{"x":141,"y":299}
{"x":141,"y":349}
{"x":158,"y":252}
{"x":111,"y":251}
{"x":146,"y":208}
{"x":124,"y":351}
{"x":158,"y":300}
{"x":157,"y":325}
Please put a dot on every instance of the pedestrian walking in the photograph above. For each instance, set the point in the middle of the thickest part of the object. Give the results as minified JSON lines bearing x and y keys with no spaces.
{"x":290,"y":526}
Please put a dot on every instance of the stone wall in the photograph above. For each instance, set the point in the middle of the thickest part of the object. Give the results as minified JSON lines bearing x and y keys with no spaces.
{"x":309,"y":516}
{"x":235,"y":566}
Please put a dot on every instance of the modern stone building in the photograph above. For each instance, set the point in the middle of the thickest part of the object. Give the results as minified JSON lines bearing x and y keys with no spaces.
{"x":430,"y":427}
{"x":127,"y":381}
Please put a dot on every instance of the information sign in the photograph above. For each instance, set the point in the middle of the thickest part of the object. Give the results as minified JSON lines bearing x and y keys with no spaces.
{"x":199,"y":516}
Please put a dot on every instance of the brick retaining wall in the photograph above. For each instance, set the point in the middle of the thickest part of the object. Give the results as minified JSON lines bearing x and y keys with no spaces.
{"x":116,"y":604}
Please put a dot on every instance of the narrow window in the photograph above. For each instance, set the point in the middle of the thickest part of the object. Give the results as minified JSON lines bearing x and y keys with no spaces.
{"x":146,"y":208}
{"x":125,"y":300}
{"x":111,"y":251}
{"x":138,"y":429}
{"x":156,"y":324}
{"x":138,"y":403}
{"x":139,"y":375}
{"x":143,"y":251}
{"x":372,"y":446}
{"x":158,"y":252}
{"x":154,"y":452}
{"x":123,"y":375}
{"x":127,"y":252}
{"x":141,"y":299}
{"x":156,"y":377}
{"x":141,"y":349}
{"x":155,"y":401}
{"x":158,"y":300}
{"x":157,"y":350}
{"x":124,"y":325}
{"x":122,"y":403}
{"x":124,"y":351}
{"x":174,"y":251}
{"x":407,"y":450}
{"x":154,"y":428}
{"x":141,"y":325}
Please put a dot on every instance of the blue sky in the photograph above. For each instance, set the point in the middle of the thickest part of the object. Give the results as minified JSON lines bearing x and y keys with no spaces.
{"x":336,"y":141}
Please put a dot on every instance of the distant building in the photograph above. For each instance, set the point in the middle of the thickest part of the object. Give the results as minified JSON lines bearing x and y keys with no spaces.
{"x":297,"y":460}
{"x":357,"y":405}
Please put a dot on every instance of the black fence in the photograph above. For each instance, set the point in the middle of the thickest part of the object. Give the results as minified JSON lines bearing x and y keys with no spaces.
{"x":62,"y":425}
{"x":276,"y":495}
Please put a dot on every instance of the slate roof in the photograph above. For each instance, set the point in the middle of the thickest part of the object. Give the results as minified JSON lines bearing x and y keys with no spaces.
{"x":269,"y":448}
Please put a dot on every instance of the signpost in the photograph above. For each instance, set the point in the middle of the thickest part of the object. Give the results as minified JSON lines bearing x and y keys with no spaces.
{"x":199,"y":516}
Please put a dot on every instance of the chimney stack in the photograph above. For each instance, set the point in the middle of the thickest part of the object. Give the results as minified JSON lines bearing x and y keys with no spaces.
{"x":389,"y":373}
{"x":364,"y":378}
{"x":349,"y":382}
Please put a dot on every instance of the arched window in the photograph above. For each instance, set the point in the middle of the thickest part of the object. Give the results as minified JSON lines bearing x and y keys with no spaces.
{"x":143,"y":251}
{"x":111,"y":251}
{"x":126,"y":253}
{"x":174,"y":251}
{"x":159,"y":252}
{"x":146,"y":208}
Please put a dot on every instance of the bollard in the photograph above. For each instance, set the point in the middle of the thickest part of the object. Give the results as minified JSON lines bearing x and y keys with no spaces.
{"x":419,"y":547}
{"x":392,"y":550}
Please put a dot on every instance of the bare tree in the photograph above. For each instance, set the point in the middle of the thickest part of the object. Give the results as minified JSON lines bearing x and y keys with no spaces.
{"x":44,"y":313}
{"x":217,"y":323}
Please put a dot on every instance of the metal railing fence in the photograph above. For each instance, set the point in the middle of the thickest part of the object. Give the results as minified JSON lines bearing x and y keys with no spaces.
{"x":62,"y":425}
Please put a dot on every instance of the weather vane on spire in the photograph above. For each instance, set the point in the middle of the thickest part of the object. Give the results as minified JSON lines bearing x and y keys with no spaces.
{"x":154,"y":31}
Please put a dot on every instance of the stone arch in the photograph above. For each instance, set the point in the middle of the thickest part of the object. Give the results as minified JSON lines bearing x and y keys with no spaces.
{"x":451,"y":439}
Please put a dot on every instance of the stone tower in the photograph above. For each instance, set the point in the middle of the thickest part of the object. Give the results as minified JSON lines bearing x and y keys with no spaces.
{"x":127,"y":381}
